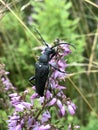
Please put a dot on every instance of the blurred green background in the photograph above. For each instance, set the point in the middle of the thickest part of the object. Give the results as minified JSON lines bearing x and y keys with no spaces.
{"x":75,"y":21}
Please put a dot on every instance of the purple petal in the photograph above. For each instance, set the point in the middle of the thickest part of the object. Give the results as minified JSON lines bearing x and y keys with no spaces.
{"x":30,"y":121}
{"x":62,"y":64}
{"x":45,"y":117}
{"x":73,"y":105}
{"x":13,"y":95}
{"x":48,"y":94}
{"x":18,"y":127}
{"x":35,"y":95}
{"x":52,"y":102}
{"x":26,"y":104}
{"x":19,"y":107}
{"x":26,"y":91}
{"x":12,"y":123}
{"x":58,"y":74}
{"x":66,"y":49}
{"x":36,"y":128}
{"x":71,"y":110}
{"x":59,"y":103}
{"x":15,"y":117}
{"x":63,"y":110}
{"x":34,"y":88}
{"x":15,"y":99}
{"x":41,"y":99}
{"x":45,"y":127}
{"x":59,"y":87}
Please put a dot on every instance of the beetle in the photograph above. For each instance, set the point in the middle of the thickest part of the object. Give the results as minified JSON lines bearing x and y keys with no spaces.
{"x":42,"y":67}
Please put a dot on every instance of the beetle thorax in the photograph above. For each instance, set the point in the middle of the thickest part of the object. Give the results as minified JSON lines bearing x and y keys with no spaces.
{"x":44,"y":59}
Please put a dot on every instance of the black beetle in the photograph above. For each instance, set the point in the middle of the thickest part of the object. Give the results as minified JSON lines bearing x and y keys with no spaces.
{"x":42,"y":67}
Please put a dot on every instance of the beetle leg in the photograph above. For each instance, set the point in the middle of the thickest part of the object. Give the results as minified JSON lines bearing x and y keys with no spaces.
{"x":52,"y":55}
{"x":57,"y":69}
{"x":31,"y":78}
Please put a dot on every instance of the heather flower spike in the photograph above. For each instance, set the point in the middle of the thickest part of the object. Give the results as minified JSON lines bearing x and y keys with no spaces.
{"x":36,"y":114}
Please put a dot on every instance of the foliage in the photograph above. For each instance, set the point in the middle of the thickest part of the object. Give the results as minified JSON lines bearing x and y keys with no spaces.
{"x":3,"y":118}
{"x":92,"y":125}
{"x":53,"y":20}
{"x":16,"y":48}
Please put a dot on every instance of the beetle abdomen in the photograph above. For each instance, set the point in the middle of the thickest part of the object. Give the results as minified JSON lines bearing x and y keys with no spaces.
{"x":41,"y":76}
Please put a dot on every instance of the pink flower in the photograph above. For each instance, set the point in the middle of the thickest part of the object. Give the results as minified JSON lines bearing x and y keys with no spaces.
{"x":35,"y":95}
{"x":19,"y":107}
{"x":59,"y":104}
{"x":45,"y":117}
{"x":45,"y":127}
{"x":62,"y":110}
{"x":52,"y":102}
{"x":71,"y":107}
{"x":18,"y":127}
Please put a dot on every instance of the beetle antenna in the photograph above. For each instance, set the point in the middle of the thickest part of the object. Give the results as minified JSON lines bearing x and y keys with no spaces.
{"x":58,"y":44}
{"x":44,"y":42}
